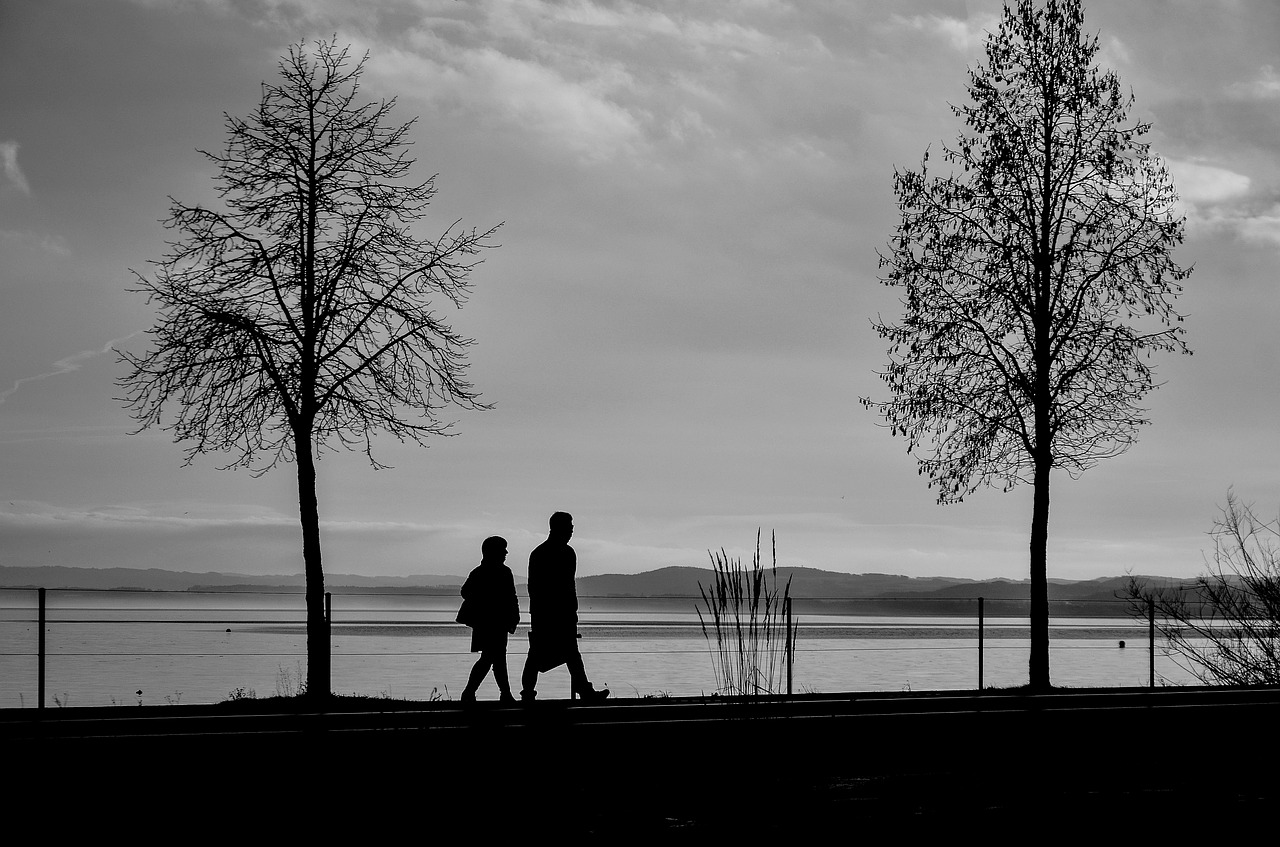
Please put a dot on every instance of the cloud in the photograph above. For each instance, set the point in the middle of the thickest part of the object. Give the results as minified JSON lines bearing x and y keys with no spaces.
{"x":576,"y":113}
{"x":580,"y":80}
{"x":67,"y":364}
{"x":965,"y":36}
{"x":1115,"y":52}
{"x":54,"y":244}
{"x":1266,"y":86}
{"x":204,"y":536}
{"x":540,"y":101}
{"x":583,"y":22}
{"x":599,"y":82}
{"x":1200,"y":184}
{"x":9,"y":164}
{"x":1216,"y":199}
{"x":1262,"y":227}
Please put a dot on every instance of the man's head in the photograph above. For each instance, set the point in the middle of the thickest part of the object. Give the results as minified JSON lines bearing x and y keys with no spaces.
{"x":562,"y":526}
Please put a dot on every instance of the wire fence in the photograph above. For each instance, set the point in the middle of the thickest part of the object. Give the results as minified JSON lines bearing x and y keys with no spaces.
{"x":203,"y":642}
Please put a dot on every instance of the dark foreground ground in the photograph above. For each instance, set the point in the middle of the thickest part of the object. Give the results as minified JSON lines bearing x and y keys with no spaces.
{"x":1096,"y":766}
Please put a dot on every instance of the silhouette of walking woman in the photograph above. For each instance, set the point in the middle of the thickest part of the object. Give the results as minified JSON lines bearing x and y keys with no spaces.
{"x":492,"y":610}
{"x":553,"y":613}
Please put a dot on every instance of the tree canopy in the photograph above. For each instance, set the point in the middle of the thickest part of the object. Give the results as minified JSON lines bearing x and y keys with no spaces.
{"x":305,"y":305}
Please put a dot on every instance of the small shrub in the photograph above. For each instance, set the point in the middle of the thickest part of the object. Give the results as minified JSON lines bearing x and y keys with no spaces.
{"x":752,"y":639}
{"x":291,"y":683}
{"x":1225,"y":626}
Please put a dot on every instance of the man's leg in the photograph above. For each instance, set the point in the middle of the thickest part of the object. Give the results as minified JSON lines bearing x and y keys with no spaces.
{"x":581,"y":686}
{"x":529,"y":678}
{"x":577,"y":671}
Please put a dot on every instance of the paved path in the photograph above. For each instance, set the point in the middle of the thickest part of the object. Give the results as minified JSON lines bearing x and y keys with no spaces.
{"x":1074,"y":763}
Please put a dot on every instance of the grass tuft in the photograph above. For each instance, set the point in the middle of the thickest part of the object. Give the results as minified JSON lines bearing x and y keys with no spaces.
{"x":752,"y":639}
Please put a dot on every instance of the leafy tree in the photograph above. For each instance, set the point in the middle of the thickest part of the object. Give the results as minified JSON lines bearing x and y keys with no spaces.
{"x":1037,"y":278}
{"x":1224,"y":627}
{"x":298,"y":317}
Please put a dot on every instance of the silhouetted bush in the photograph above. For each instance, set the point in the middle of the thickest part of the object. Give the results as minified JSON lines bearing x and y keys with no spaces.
{"x":1225,"y":626}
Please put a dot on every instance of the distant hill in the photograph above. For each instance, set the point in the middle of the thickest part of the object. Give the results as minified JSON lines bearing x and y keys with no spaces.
{"x":805,"y":582}
{"x":813,"y":591}
{"x":816,"y":591}
{"x":156,"y":579}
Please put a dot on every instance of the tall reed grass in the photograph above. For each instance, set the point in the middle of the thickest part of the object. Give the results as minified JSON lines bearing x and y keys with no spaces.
{"x":753,"y":635}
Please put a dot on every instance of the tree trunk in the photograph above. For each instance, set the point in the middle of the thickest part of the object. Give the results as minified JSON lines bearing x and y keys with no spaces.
{"x":1039,"y":662}
{"x":318,"y":663}
{"x":1042,"y":451}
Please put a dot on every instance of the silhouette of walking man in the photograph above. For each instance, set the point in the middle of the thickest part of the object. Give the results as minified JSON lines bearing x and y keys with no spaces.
{"x":553,"y":613}
{"x":492,"y":610}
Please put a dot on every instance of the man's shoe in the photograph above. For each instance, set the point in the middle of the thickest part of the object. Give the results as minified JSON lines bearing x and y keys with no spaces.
{"x":527,"y":696}
{"x":506,"y":699}
{"x":468,"y":698}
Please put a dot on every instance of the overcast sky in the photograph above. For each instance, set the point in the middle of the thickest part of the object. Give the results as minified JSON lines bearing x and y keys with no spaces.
{"x":676,"y":329}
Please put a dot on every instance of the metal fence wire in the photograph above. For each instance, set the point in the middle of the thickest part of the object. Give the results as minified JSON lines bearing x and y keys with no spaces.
{"x":828,"y":624}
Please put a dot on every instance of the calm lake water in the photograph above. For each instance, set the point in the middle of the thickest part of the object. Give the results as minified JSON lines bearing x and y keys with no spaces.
{"x":102,"y":647}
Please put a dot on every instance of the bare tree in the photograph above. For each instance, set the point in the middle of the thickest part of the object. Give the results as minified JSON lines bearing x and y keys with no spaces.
{"x":1225,"y":626}
{"x":298,"y":317}
{"x":1037,"y":279}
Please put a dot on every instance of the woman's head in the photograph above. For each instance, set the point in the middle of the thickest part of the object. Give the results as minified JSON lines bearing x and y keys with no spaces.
{"x":494,"y":549}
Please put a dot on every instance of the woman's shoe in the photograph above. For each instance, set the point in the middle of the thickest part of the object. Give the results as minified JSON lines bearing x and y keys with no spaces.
{"x":591,"y":695}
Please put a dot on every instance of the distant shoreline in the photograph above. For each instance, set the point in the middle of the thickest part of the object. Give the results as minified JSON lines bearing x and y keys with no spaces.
{"x":813,"y":591}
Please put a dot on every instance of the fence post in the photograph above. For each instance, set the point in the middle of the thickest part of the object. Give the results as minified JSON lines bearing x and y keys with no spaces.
{"x":981,"y":618}
{"x":40,"y":673}
{"x":1151,"y":637}
{"x":789,"y":647}
{"x":328,"y":635}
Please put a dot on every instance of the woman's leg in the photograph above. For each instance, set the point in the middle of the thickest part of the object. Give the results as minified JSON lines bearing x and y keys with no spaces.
{"x":499,"y":660}
{"x":478,"y":671}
